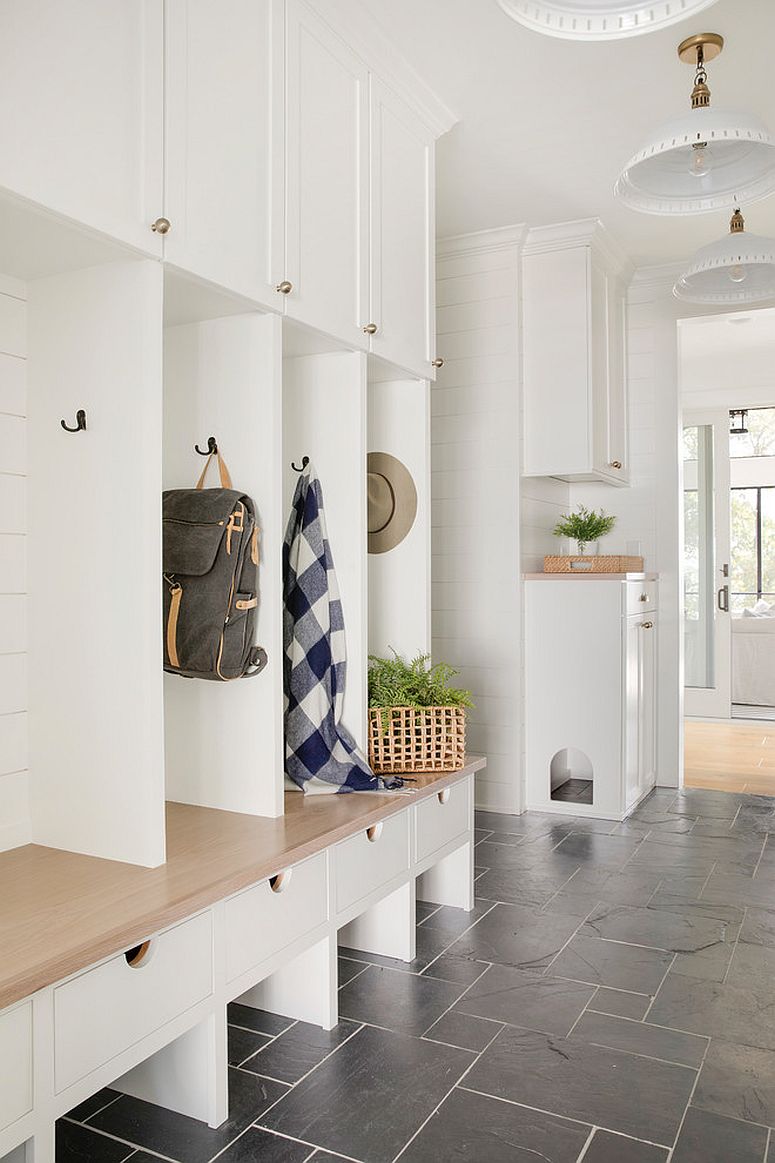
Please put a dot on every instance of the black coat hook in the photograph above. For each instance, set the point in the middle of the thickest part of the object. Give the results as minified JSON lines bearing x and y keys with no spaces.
{"x":304,"y":463}
{"x":212,"y":447}
{"x":80,"y":422}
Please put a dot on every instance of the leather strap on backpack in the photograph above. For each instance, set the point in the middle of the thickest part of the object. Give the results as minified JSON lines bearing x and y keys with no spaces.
{"x":222,"y":469}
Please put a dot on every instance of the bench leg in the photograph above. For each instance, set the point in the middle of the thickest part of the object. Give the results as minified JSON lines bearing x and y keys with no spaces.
{"x":451,"y":881}
{"x":387,"y":928}
{"x":304,"y":989}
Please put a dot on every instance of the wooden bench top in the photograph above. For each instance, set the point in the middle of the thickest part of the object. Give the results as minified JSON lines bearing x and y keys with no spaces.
{"x":60,"y":911}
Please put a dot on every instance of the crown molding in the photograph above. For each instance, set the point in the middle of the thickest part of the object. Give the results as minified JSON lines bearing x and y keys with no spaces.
{"x":582,"y":232}
{"x":481,"y":242}
{"x":372,"y":42}
{"x":657,"y":279}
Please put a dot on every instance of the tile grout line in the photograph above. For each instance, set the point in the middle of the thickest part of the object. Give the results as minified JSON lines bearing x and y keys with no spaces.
{"x":689,"y":1102}
{"x":587,"y":1145}
{"x":117,"y":1139}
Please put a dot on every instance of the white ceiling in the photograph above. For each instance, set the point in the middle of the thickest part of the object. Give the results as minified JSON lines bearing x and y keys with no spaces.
{"x":546,"y":124}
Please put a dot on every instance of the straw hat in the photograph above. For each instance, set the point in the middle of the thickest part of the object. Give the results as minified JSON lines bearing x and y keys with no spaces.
{"x":392,"y":501}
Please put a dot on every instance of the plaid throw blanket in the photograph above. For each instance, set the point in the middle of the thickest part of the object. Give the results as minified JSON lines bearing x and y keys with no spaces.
{"x":320,"y":754}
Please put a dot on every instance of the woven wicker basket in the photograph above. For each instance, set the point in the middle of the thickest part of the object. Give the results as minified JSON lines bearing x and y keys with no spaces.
{"x":594,"y":563}
{"x":417,"y":739}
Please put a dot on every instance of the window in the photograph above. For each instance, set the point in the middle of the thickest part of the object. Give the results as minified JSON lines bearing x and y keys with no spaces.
{"x":752,"y":532}
{"x":759,"y":440}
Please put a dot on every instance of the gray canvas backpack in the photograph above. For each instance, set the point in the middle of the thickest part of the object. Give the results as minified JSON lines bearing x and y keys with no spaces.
{"x":210,"y":562}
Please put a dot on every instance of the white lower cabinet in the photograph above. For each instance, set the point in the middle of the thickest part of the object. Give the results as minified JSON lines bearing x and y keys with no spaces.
{"x":370,"y":859}
{"x":130,"y":996}
{"x":440,"y":819}
{"x":16,"y":1089}
{"x":590,"y":694}
{"x":269,"y":916}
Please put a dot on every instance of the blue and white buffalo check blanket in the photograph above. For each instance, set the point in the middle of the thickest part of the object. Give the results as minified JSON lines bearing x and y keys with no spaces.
{"x":320,"y":753}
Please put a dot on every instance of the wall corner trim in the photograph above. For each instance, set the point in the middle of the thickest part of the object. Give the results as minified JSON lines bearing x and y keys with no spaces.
{"x":481,"y":242}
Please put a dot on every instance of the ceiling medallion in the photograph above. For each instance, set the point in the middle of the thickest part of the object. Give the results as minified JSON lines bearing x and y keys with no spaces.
{"x":600,"y":19}
{"x":739,"y":268}
{"x":708,"y":159}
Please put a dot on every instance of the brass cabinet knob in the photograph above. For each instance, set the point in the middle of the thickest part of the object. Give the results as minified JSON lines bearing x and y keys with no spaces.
{"x":284,"y":287}
{"x":371,"y":329}
{"x":437,"y":362}
{"x":647,"y":625}
{"x":161,"y":226}
{"x":615,"y":464}
{"x":643,"y":598}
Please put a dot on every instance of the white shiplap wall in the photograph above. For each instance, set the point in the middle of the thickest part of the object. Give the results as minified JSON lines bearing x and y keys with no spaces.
{"x":543,"y":502}
{"x":475,"y":460}
{"x":14,"y":799}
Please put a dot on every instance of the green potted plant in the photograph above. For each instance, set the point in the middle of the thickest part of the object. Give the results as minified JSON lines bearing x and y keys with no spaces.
{"x":584,"y":526}
{"x":416,"y":717}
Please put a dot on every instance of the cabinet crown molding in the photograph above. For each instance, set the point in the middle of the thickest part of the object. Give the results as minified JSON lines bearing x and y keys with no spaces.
{"x":357,"y":28}
{"x":481,"y":241}
{"x":582,"y":232}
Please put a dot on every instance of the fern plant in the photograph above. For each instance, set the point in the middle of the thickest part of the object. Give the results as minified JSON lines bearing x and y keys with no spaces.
{"x":584,"y":526}
{"x":394,"y":682}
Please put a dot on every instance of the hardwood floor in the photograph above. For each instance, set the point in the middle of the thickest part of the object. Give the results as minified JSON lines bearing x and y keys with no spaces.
{"x":738,"y":757}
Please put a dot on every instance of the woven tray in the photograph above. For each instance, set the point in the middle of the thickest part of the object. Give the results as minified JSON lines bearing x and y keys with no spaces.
{"x":417,"y":739}
{"x":594,"y":563}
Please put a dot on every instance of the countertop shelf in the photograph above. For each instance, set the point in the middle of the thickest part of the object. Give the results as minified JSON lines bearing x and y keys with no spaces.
{"x":61,"y":911}
{"x":586,"y":575}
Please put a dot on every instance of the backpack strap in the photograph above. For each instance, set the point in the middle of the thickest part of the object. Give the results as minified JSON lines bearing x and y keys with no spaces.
{"x":222,"y":469}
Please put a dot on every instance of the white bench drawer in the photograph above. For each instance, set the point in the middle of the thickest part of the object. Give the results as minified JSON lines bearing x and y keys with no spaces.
{"x":15,"y":1063}
{"x":640,"y":596}
{"x":441,"y":818}
{"x":105,"y":1010}
{"x":264,"y":919}
{"x":370,"y":859}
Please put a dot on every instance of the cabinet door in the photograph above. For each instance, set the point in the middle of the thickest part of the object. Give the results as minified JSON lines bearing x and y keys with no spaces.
{"x":609,"y":401}
{"x":81,"y":84}
{"x":617,"y":452}
{"x":402,"y":233}
{"x":223,"y":175}
{"x":631,"y":710}
{"x":326,"y":178}
{"x":647,"y":755}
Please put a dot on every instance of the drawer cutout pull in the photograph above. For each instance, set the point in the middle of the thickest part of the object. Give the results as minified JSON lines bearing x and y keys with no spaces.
{"x":281,"y":881}
{"x":374,"y":832}
{"x":138,"y":955}
{"x":443,"y":795}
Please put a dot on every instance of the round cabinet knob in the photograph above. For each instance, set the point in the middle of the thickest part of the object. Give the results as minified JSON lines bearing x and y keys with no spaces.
{"x":437,"y":362}
{"x":161,"y":226}
{"x":284,"y":287}
{"x":643,"y":598}
{"x":648,"y":625}
{"x":371,"y":329}
{"x":615,"y":464}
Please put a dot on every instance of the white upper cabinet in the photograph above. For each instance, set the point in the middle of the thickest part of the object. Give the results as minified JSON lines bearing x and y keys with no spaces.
{"x":574,"y":369}
{"x":81,"y":87}
{"x":223,"y":142}
{"x":326,"y":130}
{"x":402,"y":233}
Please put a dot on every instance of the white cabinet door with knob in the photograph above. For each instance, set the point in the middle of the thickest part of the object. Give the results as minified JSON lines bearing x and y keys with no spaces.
{"x":402,"y":233}
{"x":223,"y":142}
{"x":324,"y":282}
{"x":81,"y":85}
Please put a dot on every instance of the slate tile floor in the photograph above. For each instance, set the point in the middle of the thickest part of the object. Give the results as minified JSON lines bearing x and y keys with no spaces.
{"x":610,"y":1000}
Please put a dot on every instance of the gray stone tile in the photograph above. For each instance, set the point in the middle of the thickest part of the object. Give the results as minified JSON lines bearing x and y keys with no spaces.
{"x":599,"y":851}
{"x":709,"y":1138}
{"x":521,"y":886}
{"x":464,"y":1030}
{"x":641,"y":1038}
{"x":77,"y":1144}
{"x":730,"y":1012}
{"x":299,"y":1050}
{"x":538,"y":855}
{"x":678,"y":932}
{"x":425,"y":909}
{"x":726,"y":888}
{"x":738,"y":1081}
{"x":369,"y":1098}
{"x":429,"y":944}
{"x":259,"y":1020}
{"x":617,"y":887}
{"x":397,"y":1001}
{"x":450,"y":967}
{"x":606,"y":1147}
{"x":619,"y":1003}
{"x":505,"y":994}
{"x":759,"y":927}
{"x":515,"y":935}
{"x":483,"y":1130}
{"x":257,"y":1144}
{"x":609,"y":1088}
{"x":502,"y":821}
{"x":753,"y":966}
{"x":716,"y":805}
{"x":679,"y":889}
{"x":621,"y":966}
{"x":671,"y":859}
{"x":450,"y":923}
{"x":347,"y":969}
{"x":244,"y":1043}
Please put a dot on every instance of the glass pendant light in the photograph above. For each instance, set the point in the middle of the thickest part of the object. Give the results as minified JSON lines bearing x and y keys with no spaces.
{"x":600,"y":19}
{"x":739,"y":268}
{"x":708,"y":159}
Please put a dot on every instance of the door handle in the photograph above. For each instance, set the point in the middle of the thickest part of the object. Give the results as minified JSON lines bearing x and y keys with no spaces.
{"x":723,"y":599}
